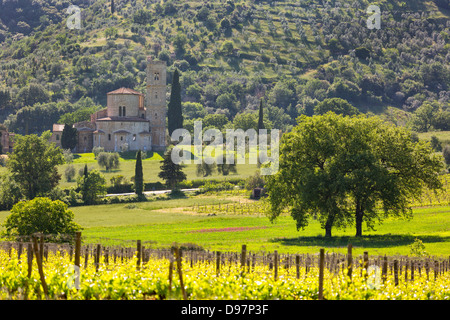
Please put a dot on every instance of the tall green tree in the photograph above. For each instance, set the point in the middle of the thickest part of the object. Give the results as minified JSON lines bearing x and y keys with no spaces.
{"x":350,"y":170}
{"x":171,"y":172}
{"x":69,"y":137}
{"x":113,"y":7}
{"x":261,"y":117}
{"x":92,"y":185}
{"x":138,"y":175}
{"x":174,"y":112}
{"x":33,"y":165}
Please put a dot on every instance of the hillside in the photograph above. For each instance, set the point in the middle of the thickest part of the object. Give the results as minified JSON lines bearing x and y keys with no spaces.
{"x":293,"y":54}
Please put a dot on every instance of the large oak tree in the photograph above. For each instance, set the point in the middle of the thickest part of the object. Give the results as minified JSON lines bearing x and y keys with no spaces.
{"x":348,"y":170}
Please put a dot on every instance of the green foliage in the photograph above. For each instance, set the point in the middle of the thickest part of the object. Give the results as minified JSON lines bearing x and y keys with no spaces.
{"x":33,"y":165}
{"x":40,"y":215}
{"x":108,"y":160}
{"x":68,"y":156}
{"x":255,"y":181}
{"x":32,"y":94}
{"x":97,"y":150}
{"x":69,"y":137}
{"x":417,"y":248}
{"x":10,"y":192}
{"x":193,"y":110}
{"x":446,"y":154}
{"x":170,"y":172}
{"x":216,"y":187}
{"x":436,"y":144}
{"x":422,"y":119}
{"x":69,"y":172}
{"x":111,"y":32}
{"x":92,"y":185}
{"x":336,"y":105}
{"x":139,"y":175}
{"x":224,"y":167}
{"x":174,"y":110}
{"x":205,"y":168}
{"x":142,"y":16}
{"x":344,"y":170}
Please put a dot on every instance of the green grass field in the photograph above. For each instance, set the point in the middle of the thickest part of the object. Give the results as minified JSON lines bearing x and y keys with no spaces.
{"x":151,"y":168}
{"x":163,"y":221}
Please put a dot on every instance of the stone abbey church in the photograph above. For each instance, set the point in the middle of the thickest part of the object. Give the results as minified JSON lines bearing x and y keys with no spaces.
{"x":131,"y":120}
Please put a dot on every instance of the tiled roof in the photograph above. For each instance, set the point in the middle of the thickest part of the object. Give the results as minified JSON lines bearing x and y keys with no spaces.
{"x":123,"y":119}
{"x":125,"y":91}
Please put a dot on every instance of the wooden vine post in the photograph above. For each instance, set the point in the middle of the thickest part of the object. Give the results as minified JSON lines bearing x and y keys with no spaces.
{"x":217,"y":263}
{"x":275,"y":262}
{"x":139,"y":254}
{"x":77,"y":248}
{"x":243,"y":257}
{"x":349,"y":261}
{"x":180,"y":274}
{"x":366,"y":264}
{"x":170,"y":269}
{"x":321,"y":267}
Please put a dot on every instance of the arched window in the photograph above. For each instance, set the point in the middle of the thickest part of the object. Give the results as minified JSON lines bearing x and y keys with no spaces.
{"x":156,"y":76}
{"x":123,"y":111}
{"x":109,"y":136}
{"x":120,"y":111}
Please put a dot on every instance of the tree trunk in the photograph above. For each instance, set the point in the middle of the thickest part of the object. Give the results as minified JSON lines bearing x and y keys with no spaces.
{"x":329,"y":225}
{"x":359,"y":219}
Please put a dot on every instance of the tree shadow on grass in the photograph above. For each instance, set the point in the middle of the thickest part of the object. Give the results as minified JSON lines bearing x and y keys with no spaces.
{"x":371,"y":241}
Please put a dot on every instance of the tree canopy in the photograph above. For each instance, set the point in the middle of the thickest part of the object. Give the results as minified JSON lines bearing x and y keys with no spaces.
{"x":171,"y":172}
{"x":349,"y":170}
{"x":33,"y":165}
{"x":40,"y":215}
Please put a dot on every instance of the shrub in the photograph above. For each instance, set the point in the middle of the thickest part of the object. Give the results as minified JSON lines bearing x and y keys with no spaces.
{"x":97,"y":150}
{"x":216,"y":186}
{"x":446,"y":154}
{"x":436,"y":144}
{"x":255,"y":181}
{"x":69,"y":173}
{"x":68,"y":156}
{"x":40,"y":215}
{"x":108,"y":160}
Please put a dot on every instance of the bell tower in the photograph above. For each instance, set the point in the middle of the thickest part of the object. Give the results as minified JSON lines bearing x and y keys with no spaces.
{"x":156,"y":102}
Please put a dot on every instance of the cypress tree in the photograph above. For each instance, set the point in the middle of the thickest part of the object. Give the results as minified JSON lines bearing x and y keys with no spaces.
{"x":138,"y":175}
{"x":113,"y":9}
{"x":261,"y":117}
{"x":260,"y":126}
{"x":69,"y":137}
{"x":174,"y":114}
